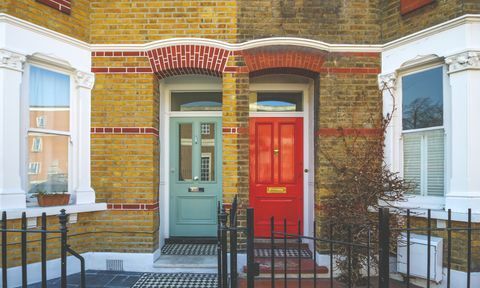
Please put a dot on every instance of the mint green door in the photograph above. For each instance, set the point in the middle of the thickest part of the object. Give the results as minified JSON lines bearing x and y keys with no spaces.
{"x":195,"y":175}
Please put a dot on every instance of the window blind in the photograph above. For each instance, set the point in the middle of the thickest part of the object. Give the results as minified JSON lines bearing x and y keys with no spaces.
{"x":412,"y":164}
{"x":423,"y":161}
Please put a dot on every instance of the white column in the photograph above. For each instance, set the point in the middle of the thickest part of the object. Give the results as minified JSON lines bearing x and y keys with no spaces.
{"x":386,"y":83}
{"x":464,"y":184}
{"x":12,"y":195}
{"x":84,"y":192}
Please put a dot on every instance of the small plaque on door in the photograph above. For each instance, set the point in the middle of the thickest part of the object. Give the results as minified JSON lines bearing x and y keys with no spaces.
{"x":196,"y":189}
{"x":276,"y":190}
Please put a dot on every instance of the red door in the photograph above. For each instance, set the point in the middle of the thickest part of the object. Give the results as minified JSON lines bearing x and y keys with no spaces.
{"x":276,"y":173}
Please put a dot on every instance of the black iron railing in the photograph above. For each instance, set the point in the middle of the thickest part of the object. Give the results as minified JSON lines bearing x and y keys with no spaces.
{"x":228,"y":232}
{"x":374,"y":246}
{"x":43,"y":231}
{"x":382,"y":249}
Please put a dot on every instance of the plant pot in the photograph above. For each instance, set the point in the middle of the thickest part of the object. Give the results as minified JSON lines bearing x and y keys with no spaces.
{"x":46,"y":200}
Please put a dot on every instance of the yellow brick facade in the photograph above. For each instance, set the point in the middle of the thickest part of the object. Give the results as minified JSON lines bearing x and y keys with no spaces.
{"x":126,"y":165}
{"x":127,"y":21}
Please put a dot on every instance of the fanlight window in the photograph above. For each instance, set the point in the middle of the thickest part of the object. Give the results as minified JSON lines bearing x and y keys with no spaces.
{"x":276,"y":102}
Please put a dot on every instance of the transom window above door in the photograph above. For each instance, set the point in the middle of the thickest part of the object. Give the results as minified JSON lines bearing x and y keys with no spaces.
{"x":276,"y":102}
{"x":196,"y":101}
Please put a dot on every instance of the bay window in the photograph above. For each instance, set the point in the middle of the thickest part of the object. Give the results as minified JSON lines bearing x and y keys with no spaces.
{"x":423,"y":131}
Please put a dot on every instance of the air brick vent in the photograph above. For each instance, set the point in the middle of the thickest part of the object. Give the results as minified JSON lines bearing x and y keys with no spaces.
{"x":114,"y":265}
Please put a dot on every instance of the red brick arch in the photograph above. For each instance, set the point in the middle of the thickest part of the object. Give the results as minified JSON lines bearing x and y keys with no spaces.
{"x":285,"y":57}
{"x":188,"y":59}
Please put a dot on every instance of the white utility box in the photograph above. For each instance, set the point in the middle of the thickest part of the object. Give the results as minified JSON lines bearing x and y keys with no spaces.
{"x":418,"y":256}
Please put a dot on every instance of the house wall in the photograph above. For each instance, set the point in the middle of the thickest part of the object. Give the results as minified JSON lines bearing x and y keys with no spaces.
{"x":125,"y":152}
{"x":145,"y":21}
{"x":395,"y":25}
{"x":354,"y":21}
{"x":125,"y":101}
{"x":76,"y":24}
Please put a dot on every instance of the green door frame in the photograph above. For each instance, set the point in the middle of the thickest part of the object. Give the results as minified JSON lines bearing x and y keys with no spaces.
{"x":193,"y":211}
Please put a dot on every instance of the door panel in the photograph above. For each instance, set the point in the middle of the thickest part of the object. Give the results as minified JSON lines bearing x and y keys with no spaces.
{"x":276,"y":172}
{"x":286,"y":139}
{"x":264,"y":153}
{"x":195,"y":176}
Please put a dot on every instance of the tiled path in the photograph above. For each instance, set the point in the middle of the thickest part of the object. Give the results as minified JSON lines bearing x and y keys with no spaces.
{"x":95,"y":279}
{"x":115,"y":279}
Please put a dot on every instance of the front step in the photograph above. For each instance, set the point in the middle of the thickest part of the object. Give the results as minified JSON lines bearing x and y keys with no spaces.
{"x":306,"y":271}
{"x":263,"y":253}
{"x":280,"y":245}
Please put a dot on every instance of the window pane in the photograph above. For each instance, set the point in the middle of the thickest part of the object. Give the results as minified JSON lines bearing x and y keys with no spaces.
{"x":276,"y":101}
{"x":48,"y":168}
{"x":412,"y":164}
{"x":435,"y":162}
{"x":196,"y":101}
{"x":422,"y":100}
{"x":185,"y":152}
{"x":424,"y":166}
{"x":207,"y":163}
{"x":49,"y":99}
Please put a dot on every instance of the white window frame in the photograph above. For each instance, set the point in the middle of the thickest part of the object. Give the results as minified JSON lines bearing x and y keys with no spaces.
{"x":37,"y":145}
{"x":209,"y":157}
{"x":73,"y":124}
{"x":37,"y":168}
{"x":423,"y":201}
{"x":40,"y":122}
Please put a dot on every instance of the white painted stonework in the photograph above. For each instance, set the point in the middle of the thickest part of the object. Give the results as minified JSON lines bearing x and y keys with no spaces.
{"x":22,"y":43}
{"x":457,"y":46}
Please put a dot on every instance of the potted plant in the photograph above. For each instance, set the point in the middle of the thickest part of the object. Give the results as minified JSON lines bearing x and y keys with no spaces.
{"x":52,"y":198}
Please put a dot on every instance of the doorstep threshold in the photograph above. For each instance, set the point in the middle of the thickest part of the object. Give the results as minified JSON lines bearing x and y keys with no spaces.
{"x":183,"y":261}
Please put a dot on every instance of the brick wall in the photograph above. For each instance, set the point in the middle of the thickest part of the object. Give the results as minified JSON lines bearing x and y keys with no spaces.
{"x":235,"y":113}
{"x":333,"y":21}
{"x":76,"y":24}
{"x":125,"y":153}
{"x":349,"y":99}
{"x":127,"y":21}
{"x":396,"y":25}
{"x":107,"y":231}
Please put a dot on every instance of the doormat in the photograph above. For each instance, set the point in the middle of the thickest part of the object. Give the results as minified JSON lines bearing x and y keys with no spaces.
{"x":190,"y":249}
{"x":291,"y":252}
{"x":177,"y":280}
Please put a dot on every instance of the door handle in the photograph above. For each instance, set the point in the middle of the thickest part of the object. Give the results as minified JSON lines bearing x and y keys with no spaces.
{"x":275,"y":151}
{"x":195,"y":178}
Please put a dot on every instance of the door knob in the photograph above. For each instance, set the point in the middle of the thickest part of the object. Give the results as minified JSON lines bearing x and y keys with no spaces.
{"x":275,"y":151}
{"x":306,"y":170}
{"x":195,"y":178}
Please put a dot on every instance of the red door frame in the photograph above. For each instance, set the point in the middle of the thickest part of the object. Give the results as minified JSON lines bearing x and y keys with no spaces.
{"x":274,"y":194}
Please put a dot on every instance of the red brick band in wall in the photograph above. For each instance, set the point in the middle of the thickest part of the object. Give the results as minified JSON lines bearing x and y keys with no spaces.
{"x":188,"y":59}
{"x":125,"y":130}
{"x":234,"y":130}
{"x":132,"y":206}
{"x":64,"y":6}
{"x":349,"y":132}
{"x":197,"y":59}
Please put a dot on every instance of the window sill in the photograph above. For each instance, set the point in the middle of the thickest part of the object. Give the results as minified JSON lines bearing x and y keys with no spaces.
{"x":55,"y":210}
{"x":440,"y":214}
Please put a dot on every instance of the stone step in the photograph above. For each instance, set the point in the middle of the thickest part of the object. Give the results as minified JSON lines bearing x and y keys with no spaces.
{"x":307,"y":268}
{"x":181,"y":263}
{"x":280,"y":245}
{"x":276,"y":240}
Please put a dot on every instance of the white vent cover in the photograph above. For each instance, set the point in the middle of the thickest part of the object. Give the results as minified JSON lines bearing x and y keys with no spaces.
{"x":418,"y":256}
{"x":114,"y":265}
